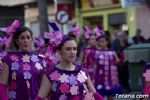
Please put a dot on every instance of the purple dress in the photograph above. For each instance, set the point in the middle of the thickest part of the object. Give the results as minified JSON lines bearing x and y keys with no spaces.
{"x":68,"y":85}
{"x":106,"y":80}
{"x":25,"y":74}
{"x":89,"y":62}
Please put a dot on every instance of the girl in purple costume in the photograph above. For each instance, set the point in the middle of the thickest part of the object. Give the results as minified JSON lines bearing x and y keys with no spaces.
{"x":66,"y":80}
{"x":86,"y":55}
{"x":22,"y":71}
{"x":106,"y":80}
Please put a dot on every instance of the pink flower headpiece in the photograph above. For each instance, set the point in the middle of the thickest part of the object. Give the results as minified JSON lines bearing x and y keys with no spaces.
{"x":99,"y":32}
{"x":55,"y":37}
{"x":76,"y":31}
{"x":10,"y":30}
{"x":88,"y":32}
{"x":39,"y":42}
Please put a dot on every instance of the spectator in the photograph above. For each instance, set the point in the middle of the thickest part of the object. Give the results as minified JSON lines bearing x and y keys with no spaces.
{"x":129,"y":39}
{"x":138,"y":38}
{"x":108,"y":38}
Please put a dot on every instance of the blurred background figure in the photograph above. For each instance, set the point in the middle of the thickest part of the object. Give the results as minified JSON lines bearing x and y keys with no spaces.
{"x":106,"y":78}
{"x":87,"y":53}
{"x":138,"y":38}
{"x":129,"y":39}
{"x":123,"y":71}
{"x":108,"y":36}
{"x":116,"y":40}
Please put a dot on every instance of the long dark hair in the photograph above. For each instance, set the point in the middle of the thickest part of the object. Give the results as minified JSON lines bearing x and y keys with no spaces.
{"x":18,"y":32}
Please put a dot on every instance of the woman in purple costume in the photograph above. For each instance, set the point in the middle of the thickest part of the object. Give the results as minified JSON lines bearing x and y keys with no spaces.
{"x":22,"y":70}
{"x":66,"y":80}
{"x":106,"y":80}
{"x":86,"y":55}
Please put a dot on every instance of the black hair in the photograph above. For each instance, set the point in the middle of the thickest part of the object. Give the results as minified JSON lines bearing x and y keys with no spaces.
{"x":18,"y":32}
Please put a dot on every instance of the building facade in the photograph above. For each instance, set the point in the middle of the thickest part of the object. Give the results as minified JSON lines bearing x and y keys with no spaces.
{"x":111,"y":16}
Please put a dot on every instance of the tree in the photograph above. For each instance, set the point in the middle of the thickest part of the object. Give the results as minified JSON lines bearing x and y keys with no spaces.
{"x":43,"y":16}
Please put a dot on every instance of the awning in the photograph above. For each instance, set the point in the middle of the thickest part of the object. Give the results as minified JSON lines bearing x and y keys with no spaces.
{"x":15,"y":2}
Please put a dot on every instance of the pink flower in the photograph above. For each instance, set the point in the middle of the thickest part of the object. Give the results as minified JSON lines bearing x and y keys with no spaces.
{"x":26,"y":58}
{"x":80,"y":78}
{"x":14,"y":75}
{"x":26,"y":66}
{"x":38,"y":66}
{"x":14,"y":58}
{"x":64,"y":78}
{"x":54,"y":76}
{"x":64,"y":88}
{"x":146,"y":75}
{"x":74,"y":90}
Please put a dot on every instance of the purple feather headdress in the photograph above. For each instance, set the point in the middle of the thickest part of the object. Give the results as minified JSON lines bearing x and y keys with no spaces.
{"x":76,"y":31}
{"x":10,"y":30}
{"x":39,"y":42}
{"x":88,"y":32}
{"x":99,"y":32}
{"x":55,"y":39}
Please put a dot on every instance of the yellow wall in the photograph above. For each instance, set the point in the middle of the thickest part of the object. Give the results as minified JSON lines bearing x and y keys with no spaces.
{"x":104,"y":11}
